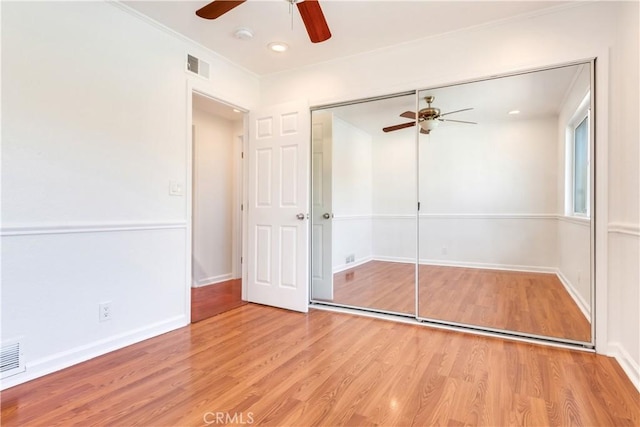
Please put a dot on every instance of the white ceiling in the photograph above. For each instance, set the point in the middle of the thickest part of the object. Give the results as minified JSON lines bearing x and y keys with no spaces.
{"x":357,"y":26}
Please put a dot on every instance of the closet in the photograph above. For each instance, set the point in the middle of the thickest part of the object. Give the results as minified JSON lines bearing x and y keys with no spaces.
{"x":468,"y":205}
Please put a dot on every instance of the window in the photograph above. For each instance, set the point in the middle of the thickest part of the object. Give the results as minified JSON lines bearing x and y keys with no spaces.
{"x":581,"y":168}
{"x":578,"y":159}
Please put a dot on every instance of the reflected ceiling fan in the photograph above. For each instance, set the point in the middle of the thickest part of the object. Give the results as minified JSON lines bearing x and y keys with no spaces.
{"x":428,"y":118}
{"x":310,"y":12}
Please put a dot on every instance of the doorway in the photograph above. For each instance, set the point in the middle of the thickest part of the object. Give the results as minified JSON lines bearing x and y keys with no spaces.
{"x":216,"y":203}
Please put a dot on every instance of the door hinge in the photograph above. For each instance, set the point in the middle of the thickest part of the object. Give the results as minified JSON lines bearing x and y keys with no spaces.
{"x":241,"y":260}
{"x":418,"y":205}
{"x":242,"y":207}
{"x":242,"y":155}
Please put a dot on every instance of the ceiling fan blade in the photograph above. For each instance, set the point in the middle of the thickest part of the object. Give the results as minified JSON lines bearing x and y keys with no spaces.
{"x":314,"y":21}
{"x":457,"y":121}
{"x":457,"y":111}
{"x":408,"y":115}
{"x":398,"y":127}
{"x":217,"y":8}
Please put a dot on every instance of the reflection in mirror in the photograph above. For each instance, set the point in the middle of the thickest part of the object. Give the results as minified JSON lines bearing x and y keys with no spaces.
{"x":364,"y":207}
{"x":504,"y":225}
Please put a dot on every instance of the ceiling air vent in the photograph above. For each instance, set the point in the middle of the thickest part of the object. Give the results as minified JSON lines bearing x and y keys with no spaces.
{"x":198,"y":66}
{"x":11,"y":360}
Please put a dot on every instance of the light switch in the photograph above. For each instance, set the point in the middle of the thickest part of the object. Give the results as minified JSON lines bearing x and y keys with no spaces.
{"x":176,"y":188}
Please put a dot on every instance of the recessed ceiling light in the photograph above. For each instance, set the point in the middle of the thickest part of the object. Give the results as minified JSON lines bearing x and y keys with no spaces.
{"x":514,"y":112}
{"x":235,"y":110}
{"x":278,"y":46}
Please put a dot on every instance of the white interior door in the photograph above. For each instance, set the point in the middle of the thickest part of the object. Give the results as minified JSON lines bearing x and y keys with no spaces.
{"x":322,"y":212}
{"x":278,"y":199}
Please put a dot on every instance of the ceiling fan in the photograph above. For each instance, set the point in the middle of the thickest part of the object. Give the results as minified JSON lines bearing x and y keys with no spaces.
{"x":428,"y":118}
{"x":310,"y":12}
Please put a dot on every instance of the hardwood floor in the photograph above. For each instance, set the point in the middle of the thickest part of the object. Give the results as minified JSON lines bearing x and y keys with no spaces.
{"x":388,"y":286}
{"x":207,"y":301}
{"x":275,"y":367}
{"x":535,"y":303}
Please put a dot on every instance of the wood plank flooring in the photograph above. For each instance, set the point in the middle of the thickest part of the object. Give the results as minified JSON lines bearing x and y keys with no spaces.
{"x":275,"y":367}
{"x":535,"y":303}
{"x":207,"y":301}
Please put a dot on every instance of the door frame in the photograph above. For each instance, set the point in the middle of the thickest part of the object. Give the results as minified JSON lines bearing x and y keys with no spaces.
{"x":194,"y":87}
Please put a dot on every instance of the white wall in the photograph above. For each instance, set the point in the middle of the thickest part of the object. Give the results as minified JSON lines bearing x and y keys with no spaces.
{"x":94,"y":128}
{"x":534,"y":41}
{"x":214,"y":179}
{"x":624,"y":194}
{"x":352,"y":194}
{"x":394,"y":196}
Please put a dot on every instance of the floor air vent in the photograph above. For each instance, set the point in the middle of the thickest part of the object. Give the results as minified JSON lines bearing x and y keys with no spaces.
{"x":11,"y":360}
{"x":197,"y":66}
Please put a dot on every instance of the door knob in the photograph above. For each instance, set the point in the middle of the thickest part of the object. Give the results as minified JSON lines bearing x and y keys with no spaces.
{"x":326,"y":216}
{"x":300,"y":216}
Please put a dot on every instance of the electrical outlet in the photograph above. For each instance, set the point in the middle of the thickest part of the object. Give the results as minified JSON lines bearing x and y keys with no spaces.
{"x":347,"y":260}
{"x":104,"y":311}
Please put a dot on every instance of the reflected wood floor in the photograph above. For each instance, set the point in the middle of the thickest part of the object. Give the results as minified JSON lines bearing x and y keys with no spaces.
{"x":291,"y":369}
{"x":535,"y":303}
{"x":207,"y":301}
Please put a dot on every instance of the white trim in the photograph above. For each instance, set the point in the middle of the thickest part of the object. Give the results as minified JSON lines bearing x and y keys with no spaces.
{"x":359,"y":262}
{"x":212,"y":280}
{"x":460,"y":216}
{"x":466,"y":264}
{"x":64,"y":359}
{"x":584,"y":221}
{"x":488,"y":266}
{"x":577,"y":298}
{"x":628,"y":365}
{"x":104,"y":227}
{"x":466,"y":216}
{"x":488,"y":216}
{"x":624,"y":228}
{"x":351,"y":217}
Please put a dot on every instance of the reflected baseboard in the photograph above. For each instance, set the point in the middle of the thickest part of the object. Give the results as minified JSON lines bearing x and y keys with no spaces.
{"x":573,"y":292}
{"x":357,"y":263}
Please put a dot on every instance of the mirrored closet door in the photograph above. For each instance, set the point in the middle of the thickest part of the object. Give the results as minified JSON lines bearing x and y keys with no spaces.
{"x":468,"y":205}
{"x":364,"y":217}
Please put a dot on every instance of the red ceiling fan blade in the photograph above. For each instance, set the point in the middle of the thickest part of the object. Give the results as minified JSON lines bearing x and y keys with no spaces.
{"x":398,"y":127}
{"x":408,"y":115}
{"x":314,"y":21}
{"x":217,"y":8}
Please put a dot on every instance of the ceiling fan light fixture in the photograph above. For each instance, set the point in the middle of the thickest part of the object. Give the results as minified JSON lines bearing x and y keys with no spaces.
{"x":429,"y":125}
{"x":278,"y":47}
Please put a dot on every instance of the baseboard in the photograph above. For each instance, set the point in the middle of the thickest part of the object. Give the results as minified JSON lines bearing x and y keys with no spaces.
{"x":357,"y":263}
{"x":628,"y":365}
{"x":212,"y":280}
{"x":445,"y":263}
{"x":487,"y":266}
{"x":65,"y":359}
{"x":575,"y":295}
